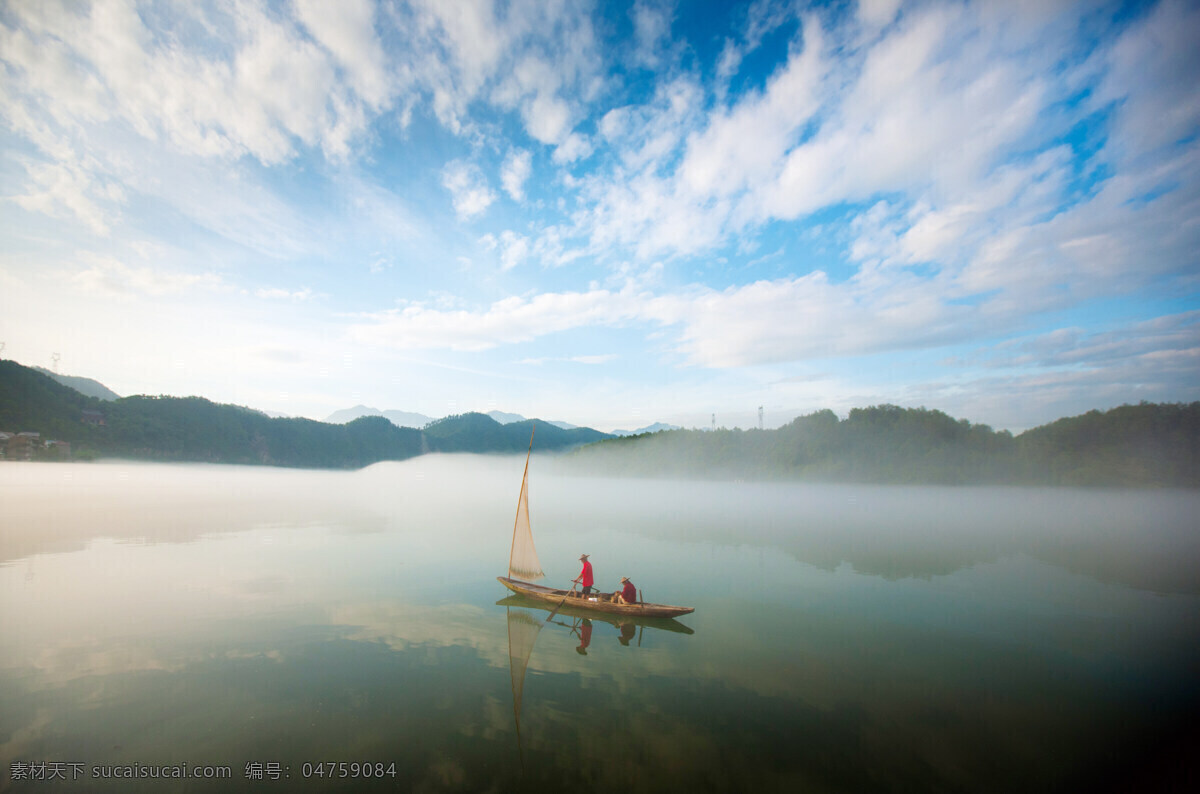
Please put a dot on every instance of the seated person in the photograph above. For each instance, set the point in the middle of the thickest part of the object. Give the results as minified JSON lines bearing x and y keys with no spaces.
{"x":627,"y":594}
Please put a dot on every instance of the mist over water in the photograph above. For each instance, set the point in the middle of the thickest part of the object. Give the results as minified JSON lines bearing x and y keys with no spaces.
{"x":844,"y":636}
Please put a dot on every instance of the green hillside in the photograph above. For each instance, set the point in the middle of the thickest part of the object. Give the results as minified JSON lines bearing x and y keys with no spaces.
{"x":475,"y":432}
{"x":85,"y":386}
{"x":32,"y":401}
{"x":196,"y":429}
{"x":1146,"y":445}
{"x":1131,"y":446}
{"x":190,"y":428}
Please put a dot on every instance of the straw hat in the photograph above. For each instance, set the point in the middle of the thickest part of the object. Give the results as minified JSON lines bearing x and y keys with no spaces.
{"x":624,"y":578}
{"x":583,"y":556}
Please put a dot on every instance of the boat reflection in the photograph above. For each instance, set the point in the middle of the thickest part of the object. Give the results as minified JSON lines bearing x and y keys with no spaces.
{"x":527,"y":617}
{"x":577,"y":613}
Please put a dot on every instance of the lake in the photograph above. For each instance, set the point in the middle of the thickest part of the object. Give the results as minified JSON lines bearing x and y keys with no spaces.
{"x":309,"y":630}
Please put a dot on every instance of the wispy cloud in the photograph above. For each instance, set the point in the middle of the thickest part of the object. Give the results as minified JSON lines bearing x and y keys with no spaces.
{"x":602,"y":358}
{"x":468,"y":189}
{"x":113,"y":277}
{"x":508,"y":321}
{"x":976,"y":182}
{"x":513,"y":173}
{"x":277,"y":293}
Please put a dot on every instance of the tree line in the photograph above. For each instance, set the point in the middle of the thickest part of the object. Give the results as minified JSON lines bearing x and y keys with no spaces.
{"x":195,"y":429}
{"x":1145,"y":445}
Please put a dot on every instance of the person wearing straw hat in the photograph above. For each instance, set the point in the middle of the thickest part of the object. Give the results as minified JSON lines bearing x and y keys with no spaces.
{"x":584,"y":579}
{"x":627,"y":593}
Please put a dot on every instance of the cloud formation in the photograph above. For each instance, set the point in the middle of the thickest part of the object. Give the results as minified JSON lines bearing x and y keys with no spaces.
{"x":770,"y":185}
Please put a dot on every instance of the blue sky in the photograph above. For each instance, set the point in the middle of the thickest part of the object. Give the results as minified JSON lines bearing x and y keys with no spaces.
{"x":607,"y":214}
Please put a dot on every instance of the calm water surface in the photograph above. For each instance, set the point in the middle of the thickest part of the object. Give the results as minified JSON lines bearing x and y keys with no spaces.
{"x":845,"y":638}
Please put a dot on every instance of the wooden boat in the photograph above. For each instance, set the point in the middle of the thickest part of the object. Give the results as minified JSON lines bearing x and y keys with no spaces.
{"x":594,"y":603}
{"x":568,"y":610}
{"x":523,"y":565}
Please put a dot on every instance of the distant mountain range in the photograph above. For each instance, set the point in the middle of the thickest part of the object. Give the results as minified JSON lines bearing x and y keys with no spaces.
{"x":418,"y":421}
{"x":196,"y":429}
{"x":85,"y":386}
{"x":398,"y":418}
{"x":1145,"y":445}
{"x":1142,"y":446}
{"x":476,"y":432}
{"x":654,"y":428}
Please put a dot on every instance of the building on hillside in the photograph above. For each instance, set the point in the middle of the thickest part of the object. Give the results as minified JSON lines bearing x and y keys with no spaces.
{"x":58,"y":450}
{"x":20,"y":446}
{"x":90,"y":417}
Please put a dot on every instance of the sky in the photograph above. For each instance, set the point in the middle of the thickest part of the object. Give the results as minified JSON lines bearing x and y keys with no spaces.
{"x":608,"y":214}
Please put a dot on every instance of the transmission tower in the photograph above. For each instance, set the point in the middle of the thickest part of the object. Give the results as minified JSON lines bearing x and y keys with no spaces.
{"x":714,"y":423}
{"x":55,"y":358}
{"x":760,"y":422}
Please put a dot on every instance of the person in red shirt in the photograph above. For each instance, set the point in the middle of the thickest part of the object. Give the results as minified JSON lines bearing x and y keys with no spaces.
{"x":628,"y":594}
{"x":585,"y":576}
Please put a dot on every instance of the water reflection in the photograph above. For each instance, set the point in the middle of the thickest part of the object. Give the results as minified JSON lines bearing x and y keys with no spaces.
{"x":526,"y":618}
{"x":672,"y":625}
{"x":354,"y":617}
{"x":522,"y":634}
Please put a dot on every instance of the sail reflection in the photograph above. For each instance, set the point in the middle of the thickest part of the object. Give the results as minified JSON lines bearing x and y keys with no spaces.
{"x":523,"y":629}
{"x":526,"y":618}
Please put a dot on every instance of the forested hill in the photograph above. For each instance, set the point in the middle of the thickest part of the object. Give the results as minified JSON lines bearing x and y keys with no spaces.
{"x":475,"y":432}
{"x":196,"y":429}
{"x":1147,"y":445}
{"x":188,"y":428}
{"x":85,"y":386}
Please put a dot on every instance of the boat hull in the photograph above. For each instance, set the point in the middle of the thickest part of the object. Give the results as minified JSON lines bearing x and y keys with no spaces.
{"x":568,"y":611}
{"x":553,"y":596}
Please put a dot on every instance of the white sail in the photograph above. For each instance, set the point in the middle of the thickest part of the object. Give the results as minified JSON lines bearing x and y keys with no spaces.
{"x":523,"y":560}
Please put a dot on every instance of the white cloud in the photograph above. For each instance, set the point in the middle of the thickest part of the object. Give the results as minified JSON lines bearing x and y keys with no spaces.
{"x":762,"y":17}
{"x":924,"y":115}
{"x":960,"y":139}
{"x":744,"y":147}
{"x":109,"y":275}
{"x":509,"y":321}
{"x":540,"y":59}
{"x":1151,"y":74}
{"x":73,"y":188}
{"x":547,"y":117}
{"x":513,"y":249}
{"x":458,"y":47}
{"x":468,"y":189}
{"x":574,"y":147}
{"x":276,"y":293}
{"x":1032,"y":380}
{"x":1150,"y":343}
{"x":763,"y":322}
{"x":974,"y":164}
{"x":515,"y":171}
{"x":651,"y":28}
{"x":875,"y":14}
{"x":347,"y":30}
{"x":602,"y":358}
{"x":263,"y":91}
